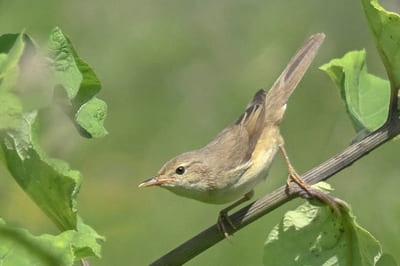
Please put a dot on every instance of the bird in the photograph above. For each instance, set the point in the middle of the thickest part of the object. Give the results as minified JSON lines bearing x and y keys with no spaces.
{"x":229,"y":167}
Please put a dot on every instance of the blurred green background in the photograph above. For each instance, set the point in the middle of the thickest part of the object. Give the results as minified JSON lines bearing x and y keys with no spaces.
{"x":174,"y":73}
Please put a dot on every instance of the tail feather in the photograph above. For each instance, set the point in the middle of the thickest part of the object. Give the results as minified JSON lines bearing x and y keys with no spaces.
{"x":284,"y":86}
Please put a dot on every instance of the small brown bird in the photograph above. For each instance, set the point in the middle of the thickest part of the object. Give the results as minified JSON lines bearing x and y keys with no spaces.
{"x":239,"y":157}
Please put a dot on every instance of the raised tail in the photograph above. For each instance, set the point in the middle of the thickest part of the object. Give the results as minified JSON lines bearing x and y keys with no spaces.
{"x":284,"y":86}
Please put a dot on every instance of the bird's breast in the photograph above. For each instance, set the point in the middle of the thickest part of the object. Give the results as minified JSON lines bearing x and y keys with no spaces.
{"x":262,"y":157}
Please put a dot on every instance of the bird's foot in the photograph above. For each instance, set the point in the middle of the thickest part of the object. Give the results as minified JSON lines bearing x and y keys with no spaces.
{"x":308,"y":192}
{"x":223,"y":221}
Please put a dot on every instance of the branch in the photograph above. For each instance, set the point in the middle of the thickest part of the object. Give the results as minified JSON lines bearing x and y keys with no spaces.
{"x":278,"y":197}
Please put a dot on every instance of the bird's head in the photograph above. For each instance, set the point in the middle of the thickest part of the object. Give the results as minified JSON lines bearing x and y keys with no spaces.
{"x":183,"y":174}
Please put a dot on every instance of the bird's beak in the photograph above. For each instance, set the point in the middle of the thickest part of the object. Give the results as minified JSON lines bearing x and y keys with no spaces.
{"x":155,"y":181}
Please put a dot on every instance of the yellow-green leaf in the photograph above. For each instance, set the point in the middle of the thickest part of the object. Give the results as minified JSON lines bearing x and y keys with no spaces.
{"x":79,"y":84}
{"x":19,"y":247}
{"x":385,"y":27}
{"x":366,"y":96}
{"x":316,"y":235}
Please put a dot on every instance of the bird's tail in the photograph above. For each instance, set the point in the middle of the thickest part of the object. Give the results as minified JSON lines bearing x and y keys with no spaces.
{"x":278,"y":95}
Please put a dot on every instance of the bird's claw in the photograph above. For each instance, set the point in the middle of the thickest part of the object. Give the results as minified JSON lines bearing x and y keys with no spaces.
{"x":307,"y":192}
{"x":222,"y":218}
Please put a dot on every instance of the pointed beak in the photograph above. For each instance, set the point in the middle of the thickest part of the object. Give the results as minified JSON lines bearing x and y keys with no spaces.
{"x":155,"y":181}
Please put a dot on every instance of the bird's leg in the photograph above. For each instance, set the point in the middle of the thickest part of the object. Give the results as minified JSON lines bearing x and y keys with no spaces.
{"x":293,"y":176}
{"x":308,"y":191}
{"x":223,"y":214}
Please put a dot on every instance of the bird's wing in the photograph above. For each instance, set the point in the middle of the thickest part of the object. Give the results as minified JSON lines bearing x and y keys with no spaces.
{"x":251,"y":123}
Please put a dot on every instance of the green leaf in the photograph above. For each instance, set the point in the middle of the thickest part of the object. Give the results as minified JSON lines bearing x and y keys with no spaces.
{"x":66,"y":72}
{"x":10,"y":111}
{"x":7,"y":42}
{"x":49,"y":182}
{"x":385,"y":27}
{"x":19,"y":247}
{"x":79,"y":84}
{"x":15,"y":50}
{"x":366,"y":96}
{"x":91,"y":116}
{"x":3,"y":57}
{"x":313,"y":235}
{"x":85,"y":241}
{"x":13,"y":45}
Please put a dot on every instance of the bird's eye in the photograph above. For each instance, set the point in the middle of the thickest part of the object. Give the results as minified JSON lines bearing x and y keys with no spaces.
{"x":180,"y":170}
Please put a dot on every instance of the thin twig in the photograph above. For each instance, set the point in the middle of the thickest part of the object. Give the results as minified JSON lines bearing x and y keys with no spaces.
{"x":278,"y":197}
{"x":85,"y":262}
